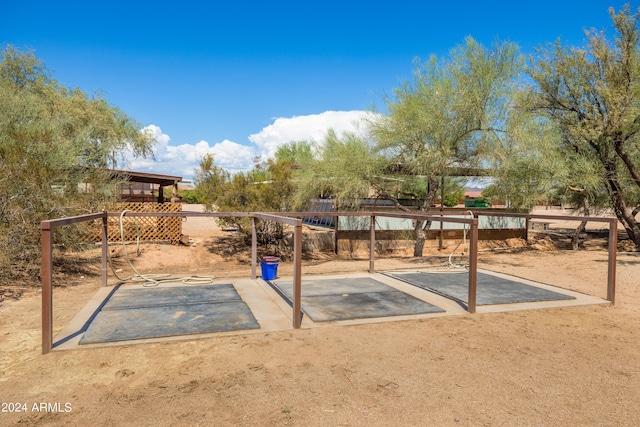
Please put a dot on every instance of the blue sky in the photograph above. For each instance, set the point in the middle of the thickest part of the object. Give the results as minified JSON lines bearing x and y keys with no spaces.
{"x":237,"y":79}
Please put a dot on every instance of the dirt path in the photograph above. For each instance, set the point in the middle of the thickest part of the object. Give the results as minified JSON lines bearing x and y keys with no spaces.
{"x":570,"y":366}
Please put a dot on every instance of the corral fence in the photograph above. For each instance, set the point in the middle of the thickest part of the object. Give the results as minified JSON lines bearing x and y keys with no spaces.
{"x":323,"y":213}
{"x":293,"y":219}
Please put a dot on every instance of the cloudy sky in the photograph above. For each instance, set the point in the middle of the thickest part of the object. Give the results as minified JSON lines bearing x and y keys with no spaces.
{"x":238,"y":79}
{"x":181,"y":159}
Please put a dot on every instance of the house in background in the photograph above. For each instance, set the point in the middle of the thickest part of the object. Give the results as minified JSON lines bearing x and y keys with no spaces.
{"x":472,"y":192}
{"x":140,"y":186}
{"x":148,"y":187}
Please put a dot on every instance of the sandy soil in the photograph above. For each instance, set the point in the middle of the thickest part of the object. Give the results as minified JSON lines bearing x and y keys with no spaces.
{"x":555,"y":367}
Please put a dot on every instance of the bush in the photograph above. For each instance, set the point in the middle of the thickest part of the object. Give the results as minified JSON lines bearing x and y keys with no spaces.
{"x":192,"y":197}
{"x":51,"y":140}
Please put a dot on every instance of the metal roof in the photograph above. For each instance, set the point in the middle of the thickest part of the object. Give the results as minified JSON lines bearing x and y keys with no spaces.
{"x":133,"y":176}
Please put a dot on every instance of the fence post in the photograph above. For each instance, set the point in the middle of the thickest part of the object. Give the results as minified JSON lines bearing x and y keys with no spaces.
{"x":105,"y":248}
{"x":441,"y":238}
{"x":473,"y":265}
{"x":254,"y":247}
{"x":372,"y":243}
{"x":613,"y":249}
{"x":336,"y":230}
{"x":297,"y":275}
{"x":46,"y":272}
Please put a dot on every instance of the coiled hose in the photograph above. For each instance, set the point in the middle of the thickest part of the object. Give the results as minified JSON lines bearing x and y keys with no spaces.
{"x":150,"y":280}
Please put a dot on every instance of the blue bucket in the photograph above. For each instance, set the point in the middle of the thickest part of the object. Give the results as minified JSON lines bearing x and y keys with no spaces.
{"x":269,"y":267}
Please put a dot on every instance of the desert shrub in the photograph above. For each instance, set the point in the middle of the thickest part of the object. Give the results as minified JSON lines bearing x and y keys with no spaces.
{"x":51,"y":140}
{"x":268,"y":187}
{"x":192,"y":197}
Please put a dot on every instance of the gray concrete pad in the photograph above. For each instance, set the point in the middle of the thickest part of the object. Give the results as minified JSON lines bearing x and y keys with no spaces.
{"x":490,"y":289}
{"x":333,"y":285}
{"x":141,"y":313}
{"x":155,"y":297}
{"x":367,"y":294}
{"x":354,"y":298}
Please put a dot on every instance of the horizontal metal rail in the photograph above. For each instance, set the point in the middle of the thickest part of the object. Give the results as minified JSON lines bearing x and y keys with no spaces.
{"x":61,"y":222}
{"x":612,"y":247}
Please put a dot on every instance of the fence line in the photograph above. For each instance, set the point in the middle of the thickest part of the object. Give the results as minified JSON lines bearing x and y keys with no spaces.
{"x":294,"y":219}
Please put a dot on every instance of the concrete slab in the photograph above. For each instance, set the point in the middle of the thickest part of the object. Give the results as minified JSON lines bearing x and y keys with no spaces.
{"x":333,"y":285}
{"x":360,"y":292}
{"x":139,"y":313}
{"x":165,"y":321}
{"x":490,"y":289}
{"x":159,"y":296}
{"x":334,"y":299}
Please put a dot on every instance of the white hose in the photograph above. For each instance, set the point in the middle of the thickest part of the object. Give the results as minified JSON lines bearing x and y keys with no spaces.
{"x":150,"y":280}
{"x":449,"y":266}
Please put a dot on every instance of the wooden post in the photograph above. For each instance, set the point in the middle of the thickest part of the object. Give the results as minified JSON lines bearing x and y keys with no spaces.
{"x":372,"y":243}
{"x":254,"y":248}
{"x":105,"y":248}
{"x":175,"y":195}
{"x":160,"y":194}
{"x":297,"y":275}
{"x":613,"y":250}
{"x":473,"y":265}
{"x":46,"y":272}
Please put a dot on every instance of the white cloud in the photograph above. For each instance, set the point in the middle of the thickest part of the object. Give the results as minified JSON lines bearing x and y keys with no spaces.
{"x":313,"y":127}
{"x":162,"y":139}
{"x":182,"y":160}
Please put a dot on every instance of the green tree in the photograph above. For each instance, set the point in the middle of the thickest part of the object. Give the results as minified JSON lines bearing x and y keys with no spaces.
{"x":295,"y":153}
{"x":210,"y":181}
{"x":268,"y":187}
{"x":454,"y":114}
{"x":46,"y":132}
{"x":593,"y":95}
{"x":528,"y":169}
{"x":343,"y":168}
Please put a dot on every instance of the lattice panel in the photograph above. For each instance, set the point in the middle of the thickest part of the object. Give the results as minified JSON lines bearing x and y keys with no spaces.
{"x":149,"y":229}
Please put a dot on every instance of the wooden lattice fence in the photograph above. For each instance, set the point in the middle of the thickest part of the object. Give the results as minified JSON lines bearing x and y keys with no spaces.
{"x":149,"y":229}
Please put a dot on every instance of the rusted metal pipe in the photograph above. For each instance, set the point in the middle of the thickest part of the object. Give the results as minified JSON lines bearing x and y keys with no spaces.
{"x":47,"y":278}
{"x":473,"y":265}
{"x":297,"y":275}
{"x":254,"y":248}
{"x":613,"y":251}
{"x":105,"y":249}
{"x":372,"y":243}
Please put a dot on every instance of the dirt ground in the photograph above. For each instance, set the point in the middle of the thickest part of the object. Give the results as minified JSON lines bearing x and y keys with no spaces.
{"x":554,"y":367}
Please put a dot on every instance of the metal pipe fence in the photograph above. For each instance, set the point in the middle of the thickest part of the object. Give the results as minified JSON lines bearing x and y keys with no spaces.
{"x":295,"y":219}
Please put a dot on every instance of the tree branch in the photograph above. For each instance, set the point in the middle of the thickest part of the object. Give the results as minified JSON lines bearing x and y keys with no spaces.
{"x":627,"y":161}
{"x":387,"y":196}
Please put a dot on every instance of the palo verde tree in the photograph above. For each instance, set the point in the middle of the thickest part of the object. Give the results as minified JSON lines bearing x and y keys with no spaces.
{"x":46,"y":132}
{"x":268,"y":187}
{"x":342,"y":167}
{"x":593,"y":95}
{"x":454,"y":115}
{"x":265,"y":188}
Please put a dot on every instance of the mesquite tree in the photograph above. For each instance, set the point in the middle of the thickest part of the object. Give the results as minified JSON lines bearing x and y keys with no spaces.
{"x":593,"y":95}
{"x":46,"y":132}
